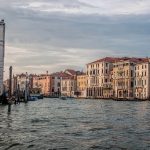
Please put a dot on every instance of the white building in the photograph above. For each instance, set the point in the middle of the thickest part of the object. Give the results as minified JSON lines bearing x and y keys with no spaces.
{"x":142,"y":80}
{"x":99,"y":78}
{"x":68,"y":86}
{"x":2,"y":46}
{"x":56,"y":84}
{"x":22,"y":81}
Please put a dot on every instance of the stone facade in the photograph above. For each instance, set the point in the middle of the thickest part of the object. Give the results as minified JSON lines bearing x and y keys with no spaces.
{"x":123,"y":79}
{"x":42,"y":82}
{"x":81,"y":85}
{"x":99,"y":84}
{"x":142,"y":80}
{"x":68,"y":86}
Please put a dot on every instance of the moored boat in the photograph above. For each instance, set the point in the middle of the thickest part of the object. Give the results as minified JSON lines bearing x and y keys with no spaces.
{"x":33,"y":98}
{"x":63,"y":97}
{"x":39,"y":96}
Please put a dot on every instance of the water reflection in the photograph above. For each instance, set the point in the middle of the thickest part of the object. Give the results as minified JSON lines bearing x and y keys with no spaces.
{"x":75,"y":124}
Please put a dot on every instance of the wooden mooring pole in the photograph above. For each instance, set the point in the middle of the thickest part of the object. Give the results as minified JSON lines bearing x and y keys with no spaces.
{"x":10,"y":89}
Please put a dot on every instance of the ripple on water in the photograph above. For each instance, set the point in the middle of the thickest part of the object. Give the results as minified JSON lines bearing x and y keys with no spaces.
{"x":54,"y":124}
{"x":15,"y":145}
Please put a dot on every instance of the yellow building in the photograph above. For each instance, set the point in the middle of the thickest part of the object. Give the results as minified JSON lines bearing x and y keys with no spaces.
{"x":123,"y":78}
{"x":42,"y":82}
{"x":81,"y":85}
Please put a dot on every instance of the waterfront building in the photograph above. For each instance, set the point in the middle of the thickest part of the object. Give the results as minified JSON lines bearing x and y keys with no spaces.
{"x":81,"y":85}
{"x":68,"y":86}
{"x":50,"y":85}
{"x":142,"y":80}
{"x":69,"y":83}
{"x":99,"y":82}
{"x":2,"y":47}
{"x":42,"y":82}
{"x":55,"y":87}
{"x":21,"y":81}
{"x":123,"y":77}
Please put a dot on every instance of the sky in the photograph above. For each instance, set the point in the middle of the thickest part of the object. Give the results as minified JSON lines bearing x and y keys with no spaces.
{"x":52,"y":35}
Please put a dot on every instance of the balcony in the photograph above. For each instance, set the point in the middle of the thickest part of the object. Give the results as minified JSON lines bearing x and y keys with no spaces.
{"x":107,"y":86}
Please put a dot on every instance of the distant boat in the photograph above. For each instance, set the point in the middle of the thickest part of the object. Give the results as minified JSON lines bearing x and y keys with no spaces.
{"x":39,"y":96}
{"x":63,"y":97}
{"x":33,"y":98}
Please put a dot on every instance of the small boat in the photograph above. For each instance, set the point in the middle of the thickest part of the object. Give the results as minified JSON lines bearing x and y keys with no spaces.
{"x":63,"y":98}
{"x":33,"y":98}
{"x":39,"y":96}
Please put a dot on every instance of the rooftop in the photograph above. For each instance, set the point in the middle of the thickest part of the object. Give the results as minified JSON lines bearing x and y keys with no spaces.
{"x":120,"y":59}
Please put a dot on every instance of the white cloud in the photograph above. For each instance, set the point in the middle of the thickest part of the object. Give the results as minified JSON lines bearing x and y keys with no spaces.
{"x":107,"y":7}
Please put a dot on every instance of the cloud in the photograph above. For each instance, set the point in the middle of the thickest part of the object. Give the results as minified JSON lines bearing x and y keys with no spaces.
{"x":38,"y":40}
{"x":101,"y":7}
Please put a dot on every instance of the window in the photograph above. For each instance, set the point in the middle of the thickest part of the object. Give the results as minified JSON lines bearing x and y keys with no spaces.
{"x":127,"y":72}
{"x":132,"y":84}
{"x":131,"y":73}
{"x":106,"y":71}
{"x":52,"y":89}
{"x":58,"y":84}
{"x":132,"y":64}
{"x":142,"y":82}
{"x":94,"y":72}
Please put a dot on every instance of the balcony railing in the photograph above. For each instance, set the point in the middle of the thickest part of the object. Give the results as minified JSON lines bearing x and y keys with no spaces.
{"x":107,"y":86}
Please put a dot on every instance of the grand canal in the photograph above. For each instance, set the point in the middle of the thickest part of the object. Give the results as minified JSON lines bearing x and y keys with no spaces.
{"x":52,"y":124}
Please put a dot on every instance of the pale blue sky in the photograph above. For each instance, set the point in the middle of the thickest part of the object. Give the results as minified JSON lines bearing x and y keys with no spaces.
{"x":57,"y":34}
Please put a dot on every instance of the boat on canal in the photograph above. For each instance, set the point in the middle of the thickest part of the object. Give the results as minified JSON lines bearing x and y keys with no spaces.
{"x":35,"y":97}
{"x":63,"y":98}
{"x":38,"y":96}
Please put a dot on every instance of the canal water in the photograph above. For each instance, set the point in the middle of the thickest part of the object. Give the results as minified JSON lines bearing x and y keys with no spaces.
{"x":53,"y":124}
